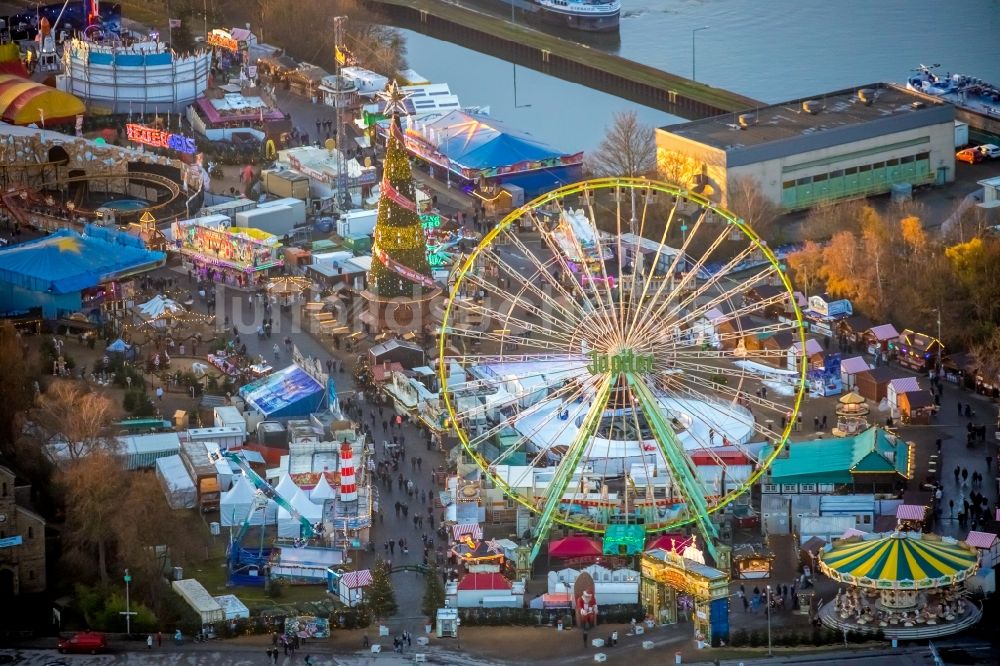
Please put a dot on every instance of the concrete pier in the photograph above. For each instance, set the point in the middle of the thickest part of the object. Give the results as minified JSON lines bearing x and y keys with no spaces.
{"x":562,"y":58}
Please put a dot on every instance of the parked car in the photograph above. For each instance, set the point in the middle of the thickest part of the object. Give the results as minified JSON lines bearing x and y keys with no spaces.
{"x":989,"y":150}
{"x":969,"y":155}
{"x":88,"y":642}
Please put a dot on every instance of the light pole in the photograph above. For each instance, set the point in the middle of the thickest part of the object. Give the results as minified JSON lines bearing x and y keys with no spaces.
{"x":128,"y":611}
{"x":514,"y":64}
{"x":694,"y":76}
{"x":767,"y":601}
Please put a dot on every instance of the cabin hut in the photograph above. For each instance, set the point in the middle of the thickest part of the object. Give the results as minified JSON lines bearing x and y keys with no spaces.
{"x":874,"y":384}
{"x":917,"y":406}
{"x":918,"y":351}
{"x":850,"y":368}
{"x":878,"y":338}
{"x":850,"y":329}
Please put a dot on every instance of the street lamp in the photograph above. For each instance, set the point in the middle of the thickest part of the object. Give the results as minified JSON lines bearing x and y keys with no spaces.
{"x":693,"y":32}
{"x":767,"y":601}
{"x":514,"y":64}
{"x":128,"y":611}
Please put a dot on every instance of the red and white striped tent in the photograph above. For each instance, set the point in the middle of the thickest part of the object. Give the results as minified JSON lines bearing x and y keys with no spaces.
{"x":351,"y":587}
{"x":473,"y":530}
{"x":988,"y":545}
{"x":911,"y":512}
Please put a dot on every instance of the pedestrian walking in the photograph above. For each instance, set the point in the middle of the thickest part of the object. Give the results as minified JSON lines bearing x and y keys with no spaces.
{"x":824,"y":422}
{"x":149,"y":642}
{"x":159,"y":639}
{"x":277,"y":351}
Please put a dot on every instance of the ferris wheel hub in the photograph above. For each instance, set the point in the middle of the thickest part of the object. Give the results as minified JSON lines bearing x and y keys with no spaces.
{"x":622,"y":361}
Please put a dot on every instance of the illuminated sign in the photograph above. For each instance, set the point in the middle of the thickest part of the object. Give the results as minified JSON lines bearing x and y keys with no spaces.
{"x":624,"y":361}
{"x":160,"y":139}
{"x":223,"y":40}
{"x":430,"y":221}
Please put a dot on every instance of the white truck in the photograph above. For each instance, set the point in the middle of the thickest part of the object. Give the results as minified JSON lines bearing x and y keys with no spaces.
{"x":356,"y":222}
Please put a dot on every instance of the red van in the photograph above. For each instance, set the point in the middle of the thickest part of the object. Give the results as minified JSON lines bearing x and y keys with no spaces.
{"x":86,"y":641}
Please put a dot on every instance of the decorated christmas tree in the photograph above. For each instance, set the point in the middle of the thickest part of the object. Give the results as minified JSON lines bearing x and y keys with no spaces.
{"x":399,"y":254}
{"x":380,"y":597}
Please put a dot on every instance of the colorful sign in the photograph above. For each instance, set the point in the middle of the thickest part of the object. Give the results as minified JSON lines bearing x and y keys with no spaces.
{"x":223,"y":40}
{"x":430,"y":221}
{"x":307,"y":626}
{"x":222,"y":248}
{"x":149,"y":136}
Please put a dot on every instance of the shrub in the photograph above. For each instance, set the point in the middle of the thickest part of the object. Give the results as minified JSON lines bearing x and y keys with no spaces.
{"x":739,"y":638}
{"x":756,"y":639}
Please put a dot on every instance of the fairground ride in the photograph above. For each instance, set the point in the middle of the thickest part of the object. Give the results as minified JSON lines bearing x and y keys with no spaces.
{"x":243,"y":561}
{"x":600,"y":377}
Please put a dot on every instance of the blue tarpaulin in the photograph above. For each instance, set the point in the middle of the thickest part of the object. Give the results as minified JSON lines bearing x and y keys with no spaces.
{"x":66,"y":262}
{"x":286,"y":393}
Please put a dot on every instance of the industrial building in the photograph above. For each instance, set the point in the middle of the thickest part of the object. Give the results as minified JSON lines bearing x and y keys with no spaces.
{"x":846,"y":144}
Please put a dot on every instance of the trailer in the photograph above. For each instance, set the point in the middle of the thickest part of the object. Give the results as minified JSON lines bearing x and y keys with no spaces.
{"x":357,"y":222}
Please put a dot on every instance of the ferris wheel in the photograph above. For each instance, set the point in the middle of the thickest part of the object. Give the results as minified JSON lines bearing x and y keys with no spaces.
{"x":600,"y":375}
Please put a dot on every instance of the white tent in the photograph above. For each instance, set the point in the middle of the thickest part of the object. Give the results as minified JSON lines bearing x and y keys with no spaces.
{"x":291,"y":527}
{"x":236,"y":503}
{"x":158,"y":305}
{"x":286,"y":488}
{"x":322,"y":491}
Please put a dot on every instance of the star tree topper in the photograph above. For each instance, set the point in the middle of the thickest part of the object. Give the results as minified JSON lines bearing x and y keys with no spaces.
{"x":394,"y":98}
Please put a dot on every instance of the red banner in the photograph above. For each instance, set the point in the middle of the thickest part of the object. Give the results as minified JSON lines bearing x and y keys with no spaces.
{"x":400,"y":269}
{"x":395,"y":196}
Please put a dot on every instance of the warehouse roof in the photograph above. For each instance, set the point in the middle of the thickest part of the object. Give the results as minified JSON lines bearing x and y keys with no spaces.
{"x":833,"y":111}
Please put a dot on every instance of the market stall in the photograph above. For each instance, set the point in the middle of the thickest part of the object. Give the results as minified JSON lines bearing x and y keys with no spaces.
{"x":238,"y":257}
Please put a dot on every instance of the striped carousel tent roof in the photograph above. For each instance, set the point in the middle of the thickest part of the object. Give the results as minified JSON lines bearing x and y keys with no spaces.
{"x":898,"y":561}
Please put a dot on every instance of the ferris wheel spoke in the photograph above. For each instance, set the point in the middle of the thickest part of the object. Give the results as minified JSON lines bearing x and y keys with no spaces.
{"x":505,"y":337}
{"x":547,"y":237}
{"x":678,"y":307}
{"x":580,"y":409}
{"x":528,"y":283}
{"x":473,"y":389}
{"x":648,"y":277}
{"x":599,"y":242}
{"x":567,"y":466}
{"x":676,"y":460}
{"x":737,"y":291}
{"x":639,"y":318}
{"x":558,"y":261}
{"x":489,"y":315}
{"x":566,"y":395}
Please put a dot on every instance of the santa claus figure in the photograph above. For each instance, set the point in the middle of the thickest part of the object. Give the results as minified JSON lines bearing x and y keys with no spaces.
{"x":586,"y":609}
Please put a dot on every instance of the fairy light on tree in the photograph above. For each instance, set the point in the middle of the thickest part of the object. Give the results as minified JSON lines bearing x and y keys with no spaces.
{"x":399,"y":254}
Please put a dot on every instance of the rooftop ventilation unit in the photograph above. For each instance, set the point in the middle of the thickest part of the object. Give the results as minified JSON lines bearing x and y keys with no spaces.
{"x":746,"y":120}
{"x":811,"y":107}
{"x":867,"y":96}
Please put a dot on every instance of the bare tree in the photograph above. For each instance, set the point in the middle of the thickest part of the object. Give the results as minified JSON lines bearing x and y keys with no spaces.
{"x":75,"y":416}
{"x":678,"y":168}
{"x":628,"y":148}
{"x":746,"y":198}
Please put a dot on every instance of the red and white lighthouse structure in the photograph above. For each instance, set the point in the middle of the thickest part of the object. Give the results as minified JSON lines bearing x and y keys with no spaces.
{"x":348,"y":483}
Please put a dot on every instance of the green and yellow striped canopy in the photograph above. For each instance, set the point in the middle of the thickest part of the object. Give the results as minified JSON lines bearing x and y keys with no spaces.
{"x":899,"y":561}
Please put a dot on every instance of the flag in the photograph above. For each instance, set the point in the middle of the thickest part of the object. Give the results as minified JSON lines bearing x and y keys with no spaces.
{"x":174,"y":23}
{"x":340,"y":55}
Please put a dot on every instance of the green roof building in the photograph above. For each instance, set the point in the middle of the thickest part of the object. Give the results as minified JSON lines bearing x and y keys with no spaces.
{"x":872,"y":461}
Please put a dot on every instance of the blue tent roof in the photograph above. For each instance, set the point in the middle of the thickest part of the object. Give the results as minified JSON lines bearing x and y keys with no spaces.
{"x":66,"y":262}
{"x":288,"y":392}
{"x":119,"y":346}
{"x":480,"y":142}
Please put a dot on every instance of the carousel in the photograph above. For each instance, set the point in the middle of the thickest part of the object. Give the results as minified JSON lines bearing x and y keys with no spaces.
{"x":852,"y":415}
{"x":905,"y":584}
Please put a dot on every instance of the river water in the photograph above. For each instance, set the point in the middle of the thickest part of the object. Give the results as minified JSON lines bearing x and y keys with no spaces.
{"x":769,"y":50}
